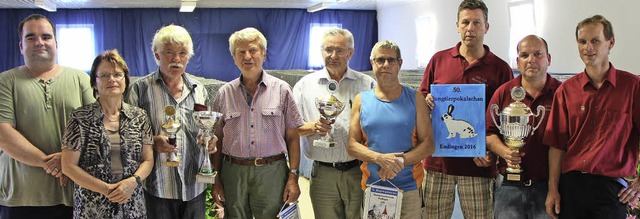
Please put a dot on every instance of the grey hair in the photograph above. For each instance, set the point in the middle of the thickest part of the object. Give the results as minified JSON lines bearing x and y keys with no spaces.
{"x":172,"y":34}
{"x":248,"y":34}
{"x":339,"y":31}
{"x":385,"y":44}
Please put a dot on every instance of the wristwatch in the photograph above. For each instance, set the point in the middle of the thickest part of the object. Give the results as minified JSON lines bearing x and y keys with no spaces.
{"x":295,"y":172}
{"x":138,"y":180}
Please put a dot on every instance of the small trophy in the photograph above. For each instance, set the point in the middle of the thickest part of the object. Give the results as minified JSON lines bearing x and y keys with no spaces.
{"x":171,"y":126}
{"x":514,"y":126}
{"x":205,"y":120}
{"x":330,"y":107}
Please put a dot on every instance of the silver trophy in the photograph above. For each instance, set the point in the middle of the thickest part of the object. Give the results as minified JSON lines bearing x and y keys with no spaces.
{"x":330,"y":107}
{"x":171,"y":126}
{"x":515,"y":126}
{"x":205,"y":120}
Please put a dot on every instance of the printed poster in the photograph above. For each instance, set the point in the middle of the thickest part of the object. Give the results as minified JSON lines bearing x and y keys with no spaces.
{"x":381,"y":202}
{"x":458,"y":120}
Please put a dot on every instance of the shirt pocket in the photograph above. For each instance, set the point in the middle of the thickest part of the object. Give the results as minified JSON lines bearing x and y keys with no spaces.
{"x":272,"y":119}
{"x":232,"y":124}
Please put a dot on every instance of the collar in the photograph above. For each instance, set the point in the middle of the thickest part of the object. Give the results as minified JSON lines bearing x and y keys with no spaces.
{"x":126,"y":110}
{"x":488,"y":57}
{"x":548,"y":87}
{"x":325,"y":77}
{"x":264,"y":80}
{"x":610,"y":77}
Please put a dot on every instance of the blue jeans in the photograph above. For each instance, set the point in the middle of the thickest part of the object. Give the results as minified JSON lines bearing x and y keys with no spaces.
{"x":160,"y":208}
{"x":521,"y":201}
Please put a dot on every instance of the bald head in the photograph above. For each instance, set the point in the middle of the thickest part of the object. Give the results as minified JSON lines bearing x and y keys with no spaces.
{"x":533,"y":58}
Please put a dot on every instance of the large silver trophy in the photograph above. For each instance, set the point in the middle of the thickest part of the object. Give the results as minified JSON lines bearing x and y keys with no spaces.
{"x":205,"y":120}
{"x":330,"y":107}
{"x":515,"y":126}
{"x":171,"y":126}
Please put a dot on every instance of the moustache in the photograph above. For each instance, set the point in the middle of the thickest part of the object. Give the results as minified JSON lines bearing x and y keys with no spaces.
{"x":176,"y":65}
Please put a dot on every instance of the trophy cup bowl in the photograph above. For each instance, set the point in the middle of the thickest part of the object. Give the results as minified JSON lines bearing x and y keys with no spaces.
{"x":205,"y":120}
{"x":171,"y":126}
{"x":515,"y":126}
{"x":330,"y":107}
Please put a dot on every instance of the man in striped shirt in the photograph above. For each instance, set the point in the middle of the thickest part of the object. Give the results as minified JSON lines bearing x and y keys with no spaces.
{"x":172,"y":192}
{"x":259,"y":128}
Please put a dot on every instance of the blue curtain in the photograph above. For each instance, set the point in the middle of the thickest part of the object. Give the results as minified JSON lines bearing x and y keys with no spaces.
{"x":131,"y":32}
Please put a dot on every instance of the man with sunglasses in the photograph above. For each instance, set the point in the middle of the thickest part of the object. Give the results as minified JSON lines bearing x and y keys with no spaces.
{"x":335,"y":179}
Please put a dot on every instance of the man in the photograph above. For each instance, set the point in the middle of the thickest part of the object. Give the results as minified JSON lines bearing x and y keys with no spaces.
{"x":469,"y":62}
{"x":172,"y":192}
{"x":259,"y":128}
{"x":593,"y":132}
{"x":390,"y":130}
{"x":525,"y":198}
{"x":335,"y":179}
{"x":35,"y":102}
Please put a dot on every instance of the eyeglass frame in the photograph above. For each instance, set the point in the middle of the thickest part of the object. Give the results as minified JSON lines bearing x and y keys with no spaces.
{"x":338,"y":51}
{"x":116,"y":75}
{"x":392,"y":61}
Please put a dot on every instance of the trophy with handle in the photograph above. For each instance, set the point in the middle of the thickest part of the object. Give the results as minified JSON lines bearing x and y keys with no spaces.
{"x":205,"y":120}
{"x":330,"y":107}
{"x":171,"y":126}
{"x":515,"y":126}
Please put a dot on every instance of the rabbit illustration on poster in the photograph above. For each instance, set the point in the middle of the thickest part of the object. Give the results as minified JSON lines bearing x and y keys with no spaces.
{"x":457,"y":126}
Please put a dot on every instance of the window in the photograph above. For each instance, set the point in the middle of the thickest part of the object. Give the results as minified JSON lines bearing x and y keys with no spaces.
{"x":425,"y":35}
{"x":523,"y":23}
{"x":76,"y":45}
{"x":316,"y":33}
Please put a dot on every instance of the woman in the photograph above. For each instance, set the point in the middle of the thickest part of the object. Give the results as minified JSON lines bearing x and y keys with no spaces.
{"x":106,"y":148}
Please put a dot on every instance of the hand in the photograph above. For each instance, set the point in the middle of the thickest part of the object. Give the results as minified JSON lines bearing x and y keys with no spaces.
{"x":513,"y":158}
{"x":211,"y":146}
{"x":291,"y":189}
{"x":389,"y":162}
{"x":161,"y":144}
{"x":429,"y":100}
{"x":485,"y":161}
{"x":553,"y":204}
{"x":627,"y":194}
{"x":218,"y":193}
{"x":121,"y":192}
{"x":386,"y":174}
{"x":323,"y":126}
{"x":64,"y":180}
{"x":53,"y":165}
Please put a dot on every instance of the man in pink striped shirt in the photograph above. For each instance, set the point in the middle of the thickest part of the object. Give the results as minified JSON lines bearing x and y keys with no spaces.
{"x":257,"y":132}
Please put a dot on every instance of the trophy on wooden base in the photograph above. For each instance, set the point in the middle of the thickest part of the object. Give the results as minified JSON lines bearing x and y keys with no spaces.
{"x":171,"y":126}
{"x":205,"y":120}
{"x":515,"y":126}
{"x":330,"y":107}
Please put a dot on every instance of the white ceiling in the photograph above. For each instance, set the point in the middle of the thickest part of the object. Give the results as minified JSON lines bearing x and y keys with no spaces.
{"x":75,"y":4}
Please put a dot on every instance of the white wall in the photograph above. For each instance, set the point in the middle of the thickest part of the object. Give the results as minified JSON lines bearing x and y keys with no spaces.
{"x":556,"y":21}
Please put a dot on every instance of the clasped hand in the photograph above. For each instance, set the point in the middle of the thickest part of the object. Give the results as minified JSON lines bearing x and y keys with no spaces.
{"x":390,"y":165}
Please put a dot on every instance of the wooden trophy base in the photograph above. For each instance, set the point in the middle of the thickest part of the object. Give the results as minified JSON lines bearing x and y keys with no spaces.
{"x":206,"y":178}
{"x":514,"y":177}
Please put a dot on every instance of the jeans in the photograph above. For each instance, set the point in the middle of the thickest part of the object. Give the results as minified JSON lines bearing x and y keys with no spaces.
{"x":526,"y":202}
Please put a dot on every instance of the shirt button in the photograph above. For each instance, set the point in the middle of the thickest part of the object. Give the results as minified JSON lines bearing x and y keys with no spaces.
{"x":252,"y":142}
{"x":251,"y":109}
{"x":251,"y":126}
{"x":582,"y":108}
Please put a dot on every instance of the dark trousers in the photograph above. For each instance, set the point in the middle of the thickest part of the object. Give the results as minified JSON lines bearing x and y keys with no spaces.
{"x":590,"y":196}
{"x":49,"y":212}
{"x":160,"y":208}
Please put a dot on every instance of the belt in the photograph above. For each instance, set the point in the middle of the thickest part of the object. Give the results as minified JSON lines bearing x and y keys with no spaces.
{"x":525,"y":183}
{"x":341,"y":165}
{"x":254,"y":161}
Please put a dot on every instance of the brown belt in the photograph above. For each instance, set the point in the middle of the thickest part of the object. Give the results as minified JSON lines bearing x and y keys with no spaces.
{"x":254,"y":161}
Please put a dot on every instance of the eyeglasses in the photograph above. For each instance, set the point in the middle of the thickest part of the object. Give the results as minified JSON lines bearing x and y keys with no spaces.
{"x":381,"y":61}
{"x":338,"y":51}
{"x":105,"y":76}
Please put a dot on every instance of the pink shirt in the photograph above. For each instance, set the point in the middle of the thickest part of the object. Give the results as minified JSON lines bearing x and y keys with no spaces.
{"x":597,"y":128}
{"x":257,"y":129}
{"x":536,"y":154}
{"x":449,"y":67}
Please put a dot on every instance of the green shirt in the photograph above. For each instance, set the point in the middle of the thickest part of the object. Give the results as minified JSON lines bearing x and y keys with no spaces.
{"x":39,"y":110}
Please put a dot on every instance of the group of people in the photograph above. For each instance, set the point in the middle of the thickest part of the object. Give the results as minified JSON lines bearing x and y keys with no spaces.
{"x":105,"y":133}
